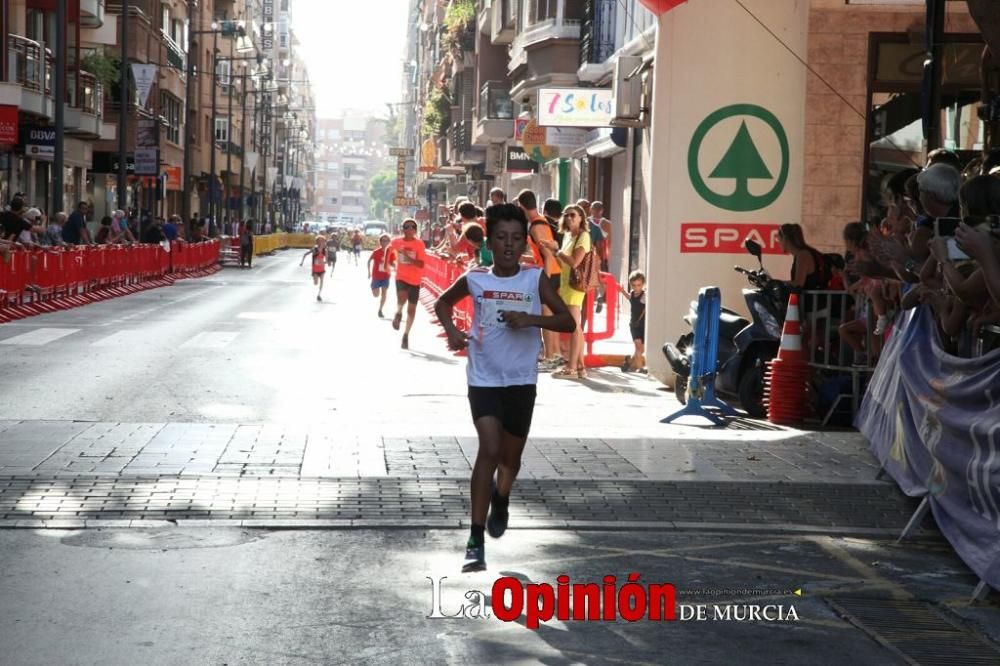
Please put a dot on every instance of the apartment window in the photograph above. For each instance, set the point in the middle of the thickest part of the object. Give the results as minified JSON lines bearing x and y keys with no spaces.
{"x":223,"y":69}
{"x":177,"y":33}
{"x":165,"y":25}
{"x":541,"y":10}
{"x":222,"y":130}
{"x":171,"y":109}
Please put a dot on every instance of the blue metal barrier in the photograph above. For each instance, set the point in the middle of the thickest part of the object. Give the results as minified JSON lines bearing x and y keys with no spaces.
{"x":704,"y":361}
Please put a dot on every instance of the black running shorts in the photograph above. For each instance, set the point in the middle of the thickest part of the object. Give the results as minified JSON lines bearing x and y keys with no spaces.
{"x":412,"y":291}
{"x":512,"y":405}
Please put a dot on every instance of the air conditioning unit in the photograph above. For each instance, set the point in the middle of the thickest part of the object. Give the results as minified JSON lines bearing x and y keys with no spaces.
{"x":627,"y":90}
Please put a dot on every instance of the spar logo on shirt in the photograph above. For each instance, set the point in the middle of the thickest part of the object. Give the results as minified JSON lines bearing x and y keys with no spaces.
{"x":493,"y":304}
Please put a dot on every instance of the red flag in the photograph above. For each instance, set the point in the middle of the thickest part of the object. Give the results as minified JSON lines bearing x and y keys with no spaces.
{"x":660,"y":7}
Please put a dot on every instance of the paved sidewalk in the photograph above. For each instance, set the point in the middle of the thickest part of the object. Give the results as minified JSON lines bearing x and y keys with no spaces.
{"x":870,"y":509}
{"x":48,"y":448}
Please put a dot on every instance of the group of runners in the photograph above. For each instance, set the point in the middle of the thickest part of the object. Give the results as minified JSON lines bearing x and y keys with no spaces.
{"x":514,"y":302}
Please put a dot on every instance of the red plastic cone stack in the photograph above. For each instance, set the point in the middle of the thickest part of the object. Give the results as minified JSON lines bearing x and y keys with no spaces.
{"x":785,"y":381}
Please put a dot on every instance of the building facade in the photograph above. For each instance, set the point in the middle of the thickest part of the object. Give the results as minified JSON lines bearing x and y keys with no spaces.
{"x":350,"y":151}
{"x":827,"y":94}
{"x":219,"y":108}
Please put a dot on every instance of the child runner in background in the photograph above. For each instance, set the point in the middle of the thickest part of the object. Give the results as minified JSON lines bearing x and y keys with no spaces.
{"x":318,"y":254}
{"x":380,"y":265}
{"x":357,"y":240}
{"x":637,"y":322}
{"x":503,"y":364}
{"x":331,"y":253}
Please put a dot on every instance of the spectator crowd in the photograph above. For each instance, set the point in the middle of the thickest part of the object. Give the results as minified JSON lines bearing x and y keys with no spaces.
{"x":937,"y":246}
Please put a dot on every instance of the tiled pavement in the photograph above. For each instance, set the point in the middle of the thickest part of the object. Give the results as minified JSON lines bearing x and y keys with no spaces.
{"x":88,"y":501}
{"x":45,"y":448}
{"x":79,"y":474}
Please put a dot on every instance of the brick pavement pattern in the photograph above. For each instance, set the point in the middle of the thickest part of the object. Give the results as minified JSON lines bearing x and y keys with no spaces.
{"x":74,"y":447}
{"x":78,"y":501}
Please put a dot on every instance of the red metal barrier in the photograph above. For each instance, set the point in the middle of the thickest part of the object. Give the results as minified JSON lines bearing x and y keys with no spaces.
{"x":610,"y":318}
{"x":46,"y":280}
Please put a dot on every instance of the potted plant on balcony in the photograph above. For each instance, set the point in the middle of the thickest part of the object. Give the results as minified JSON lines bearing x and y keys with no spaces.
{"x":460,"y":26}
{"x":437,"y":113}
{"x":104,"y":67}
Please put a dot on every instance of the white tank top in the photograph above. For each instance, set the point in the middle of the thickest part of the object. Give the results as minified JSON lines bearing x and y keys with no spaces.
{"x":498,"y":355}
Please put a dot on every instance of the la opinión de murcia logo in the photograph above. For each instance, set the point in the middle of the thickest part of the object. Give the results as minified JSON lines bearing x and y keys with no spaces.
{"x":510,"y":599}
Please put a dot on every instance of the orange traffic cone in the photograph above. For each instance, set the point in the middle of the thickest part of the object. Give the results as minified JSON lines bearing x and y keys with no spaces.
{"x":785,"y":381}
{"x":791,"y":333}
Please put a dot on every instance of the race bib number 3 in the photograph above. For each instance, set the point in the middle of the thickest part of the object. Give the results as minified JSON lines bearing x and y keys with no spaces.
{"x":494,"y":303}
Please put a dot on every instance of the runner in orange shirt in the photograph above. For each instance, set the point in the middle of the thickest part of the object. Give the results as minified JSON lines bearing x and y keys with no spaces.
{"x":538,"y":231}
{"x":410,"y":257}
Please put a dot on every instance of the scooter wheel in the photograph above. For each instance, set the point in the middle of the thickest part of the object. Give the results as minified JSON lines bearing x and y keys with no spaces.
{"x":680,"y":389}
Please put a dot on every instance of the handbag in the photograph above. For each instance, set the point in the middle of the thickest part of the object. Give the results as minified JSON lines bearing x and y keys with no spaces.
{"x":586,"y":275}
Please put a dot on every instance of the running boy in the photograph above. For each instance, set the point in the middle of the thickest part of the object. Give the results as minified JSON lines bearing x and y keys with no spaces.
{"x":380,"y":265}
{"x":503,"y":370}
{"x":411,"y":253}
{"x":357,"y":240}
{"x":318,"y":253}
{"x":637,"y":322}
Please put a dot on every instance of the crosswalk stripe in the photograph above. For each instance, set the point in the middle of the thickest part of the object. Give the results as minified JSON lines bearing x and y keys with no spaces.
{"x":210,"y":340}
{"x":39,"y":336}
{"x":119,"y":339}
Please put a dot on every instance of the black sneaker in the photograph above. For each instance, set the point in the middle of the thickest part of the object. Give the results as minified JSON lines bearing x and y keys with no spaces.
{"x":380,"y":315}
{"x":406,"y":341}
{"x":475,"y":557}
{"x":496,"y":522}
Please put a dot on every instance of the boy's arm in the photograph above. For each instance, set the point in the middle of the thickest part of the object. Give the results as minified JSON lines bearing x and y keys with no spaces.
{"x":560,"y":321}
{"x":444,"y":308}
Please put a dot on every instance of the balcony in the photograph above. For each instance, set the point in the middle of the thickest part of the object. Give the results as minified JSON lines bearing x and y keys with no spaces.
{"x":503,"y":21}
{"x":91,"y":13}
{"x":484,"y":19}
{"x":85,"y":104}
{"x":176,"y":57}
{"x":547,"y":52}
{"x":495,"y":121}
{"x":29,"y":77}
{"x":561,"y":29}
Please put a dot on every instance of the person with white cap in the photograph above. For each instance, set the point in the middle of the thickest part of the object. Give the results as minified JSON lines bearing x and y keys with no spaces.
{"x":33,"y":217}
{"x":120,"y":232}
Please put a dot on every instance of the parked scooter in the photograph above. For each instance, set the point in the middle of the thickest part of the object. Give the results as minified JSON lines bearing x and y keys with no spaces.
{"x":745,"y":347}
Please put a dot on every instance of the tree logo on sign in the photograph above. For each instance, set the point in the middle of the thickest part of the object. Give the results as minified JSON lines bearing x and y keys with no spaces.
{"x":741,"y":163}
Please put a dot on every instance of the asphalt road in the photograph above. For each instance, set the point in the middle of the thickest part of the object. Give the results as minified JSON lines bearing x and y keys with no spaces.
{"x":254,"y":346}
{"x":220,"y":377}
{"x":230,"y":596}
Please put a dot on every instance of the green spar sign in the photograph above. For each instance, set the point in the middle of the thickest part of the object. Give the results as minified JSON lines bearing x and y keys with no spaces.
{"x":741,"y":162}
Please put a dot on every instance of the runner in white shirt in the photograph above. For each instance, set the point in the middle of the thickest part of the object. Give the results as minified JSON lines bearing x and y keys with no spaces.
{"x":503,"y":369}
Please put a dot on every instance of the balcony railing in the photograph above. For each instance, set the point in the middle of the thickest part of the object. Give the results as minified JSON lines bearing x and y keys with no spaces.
{"x":541,"y":31}
{"x":90,"y":98}
{"x":27,"y":68}
{"x":175,"y":56}
{"x":495,"y":102}
{"x":459,"y":138}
